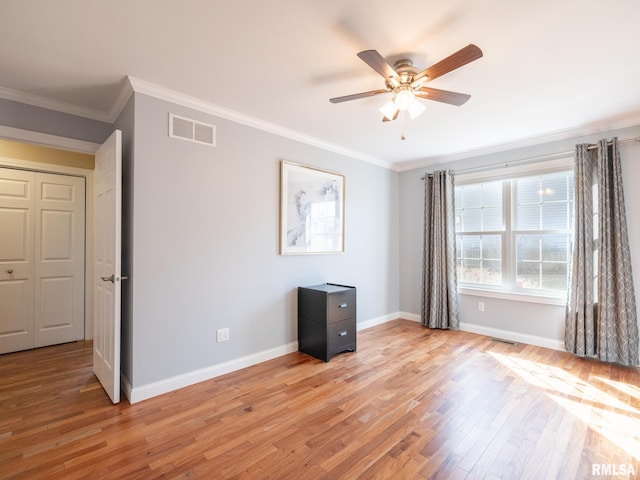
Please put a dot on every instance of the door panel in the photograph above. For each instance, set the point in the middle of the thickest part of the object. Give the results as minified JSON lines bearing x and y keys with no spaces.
{"x":16,"y":298}
{"x":59,"y":262}
{"x":57,"y":236}
{"x":14,"y":247}
{"x":56,"y":303}
{"x":17,"y":202}
{"x":107,"y":251}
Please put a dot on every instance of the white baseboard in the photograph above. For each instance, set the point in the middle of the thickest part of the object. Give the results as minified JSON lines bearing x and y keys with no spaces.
{"x":125,"y":386}
{"x":496,"y":333}
{"x":414,"y":317}
{"x":144,"y":392}
{"x":387,"y":318}
{"x":513,"y":336}
{"x":376,"y":321}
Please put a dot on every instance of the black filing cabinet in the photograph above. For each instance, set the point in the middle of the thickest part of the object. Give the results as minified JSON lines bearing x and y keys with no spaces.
{"x":326,"y":320}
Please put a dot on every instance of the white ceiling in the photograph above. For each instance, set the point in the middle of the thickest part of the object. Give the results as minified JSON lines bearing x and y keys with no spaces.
{"x":551,"y":69}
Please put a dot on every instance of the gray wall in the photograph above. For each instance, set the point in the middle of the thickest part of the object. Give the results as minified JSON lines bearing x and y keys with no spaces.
{"x":42,"y":120}
{"x":520,"y":318}
{"x":125,"y":123}
{"x":200,"y":240}
{"x":204,"y":243}
{"x":200,"y":237}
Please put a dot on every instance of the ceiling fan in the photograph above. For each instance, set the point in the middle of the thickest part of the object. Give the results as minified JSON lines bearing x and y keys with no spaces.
{"x":406,"y":82}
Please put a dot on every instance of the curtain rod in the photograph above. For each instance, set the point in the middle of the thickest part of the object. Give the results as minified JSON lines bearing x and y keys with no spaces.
{"x":539,"y":158}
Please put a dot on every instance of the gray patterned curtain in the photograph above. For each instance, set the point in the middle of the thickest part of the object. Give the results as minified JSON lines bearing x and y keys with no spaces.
{"x":439,"y":285}
{"x":601,"y":321}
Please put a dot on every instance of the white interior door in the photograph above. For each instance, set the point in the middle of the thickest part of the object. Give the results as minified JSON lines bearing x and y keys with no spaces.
{"x":59,"y":259}
{"x":42,"y":229}
{"x":107,"y":266}
{"x":17,"y":206}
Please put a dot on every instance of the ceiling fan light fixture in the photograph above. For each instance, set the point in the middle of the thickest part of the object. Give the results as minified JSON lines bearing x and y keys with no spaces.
{"x":416,"y":109}
{"x":389,"y":110}
{"x":403,"y":98}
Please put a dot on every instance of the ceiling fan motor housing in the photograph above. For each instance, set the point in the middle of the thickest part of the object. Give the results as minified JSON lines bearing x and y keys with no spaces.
{"x":404,"y":80}
{"x":405,"y":66}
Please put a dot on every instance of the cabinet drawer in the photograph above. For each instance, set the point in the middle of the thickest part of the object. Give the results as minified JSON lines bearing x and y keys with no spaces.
{"x":341,"y":336}
{"x":341,"y":305}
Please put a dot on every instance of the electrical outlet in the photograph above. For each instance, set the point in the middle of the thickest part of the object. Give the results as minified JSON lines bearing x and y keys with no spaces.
{"x":481,"y":306}
{"x":222,"y":335}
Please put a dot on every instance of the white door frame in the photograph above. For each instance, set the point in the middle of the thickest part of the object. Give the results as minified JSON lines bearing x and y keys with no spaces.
{"x":73,"y":145}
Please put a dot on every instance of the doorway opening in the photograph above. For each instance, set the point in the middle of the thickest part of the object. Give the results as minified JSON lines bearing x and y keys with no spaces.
{"x":49,"y":169}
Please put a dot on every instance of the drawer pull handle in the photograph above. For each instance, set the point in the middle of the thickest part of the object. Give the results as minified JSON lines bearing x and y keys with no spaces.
{"x":342,"y":333}
{"x":342,"y":305}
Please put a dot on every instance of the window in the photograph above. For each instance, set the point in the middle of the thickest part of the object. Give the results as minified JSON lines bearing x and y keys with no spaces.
{"x":514,"y":234}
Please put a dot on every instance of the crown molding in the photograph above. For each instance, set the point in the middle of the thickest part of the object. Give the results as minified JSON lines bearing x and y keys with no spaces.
{"x":137,"y":85}
{"x":123,"y":97}
{"x":46,"y":140}
{"x":162,"y":93}
{"x":63,"y":107}
{"x":133,"y":84}
{"x":574,"y":133}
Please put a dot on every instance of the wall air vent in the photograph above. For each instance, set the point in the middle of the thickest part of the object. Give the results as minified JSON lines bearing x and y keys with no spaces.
{"x":192,"y":130}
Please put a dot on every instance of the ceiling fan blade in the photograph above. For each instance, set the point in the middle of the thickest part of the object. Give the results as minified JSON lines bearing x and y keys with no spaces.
{"x":444,"y":96}
{"x":461,"y":57}
{"x":395,"y":115}
{"x":378,"y":63}
{"x":356,"y":96}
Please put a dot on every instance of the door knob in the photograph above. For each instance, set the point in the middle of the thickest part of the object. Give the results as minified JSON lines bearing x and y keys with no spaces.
{"x":10,"y":271}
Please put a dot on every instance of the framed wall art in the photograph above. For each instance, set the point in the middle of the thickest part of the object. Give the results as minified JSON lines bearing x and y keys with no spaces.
{"x":311,"y":210}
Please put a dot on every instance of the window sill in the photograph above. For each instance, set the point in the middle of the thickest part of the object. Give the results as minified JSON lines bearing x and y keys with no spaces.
{"x":514,"y":296}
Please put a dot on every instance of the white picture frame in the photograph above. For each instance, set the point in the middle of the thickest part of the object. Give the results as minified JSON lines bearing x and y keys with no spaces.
{"x":311,"y":210}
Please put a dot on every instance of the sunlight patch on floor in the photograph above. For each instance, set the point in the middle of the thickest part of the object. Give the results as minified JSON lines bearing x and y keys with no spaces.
{"x":630,"y":390}
{"x":616,"y":420}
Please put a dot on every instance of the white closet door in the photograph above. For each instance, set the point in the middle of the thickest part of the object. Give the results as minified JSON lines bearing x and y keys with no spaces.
{"x":42,"y":248}
{"x":59,"y":259}
{"x":17,"y":204}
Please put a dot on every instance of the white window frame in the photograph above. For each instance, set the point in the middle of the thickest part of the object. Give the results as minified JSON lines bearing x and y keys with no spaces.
{"x":499,"y":174}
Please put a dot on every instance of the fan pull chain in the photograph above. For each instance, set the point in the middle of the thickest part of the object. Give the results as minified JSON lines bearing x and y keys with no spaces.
{"x":402,"y":121}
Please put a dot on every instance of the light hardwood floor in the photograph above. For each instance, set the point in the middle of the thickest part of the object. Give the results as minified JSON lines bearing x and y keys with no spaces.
{"x":410,"y":403}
